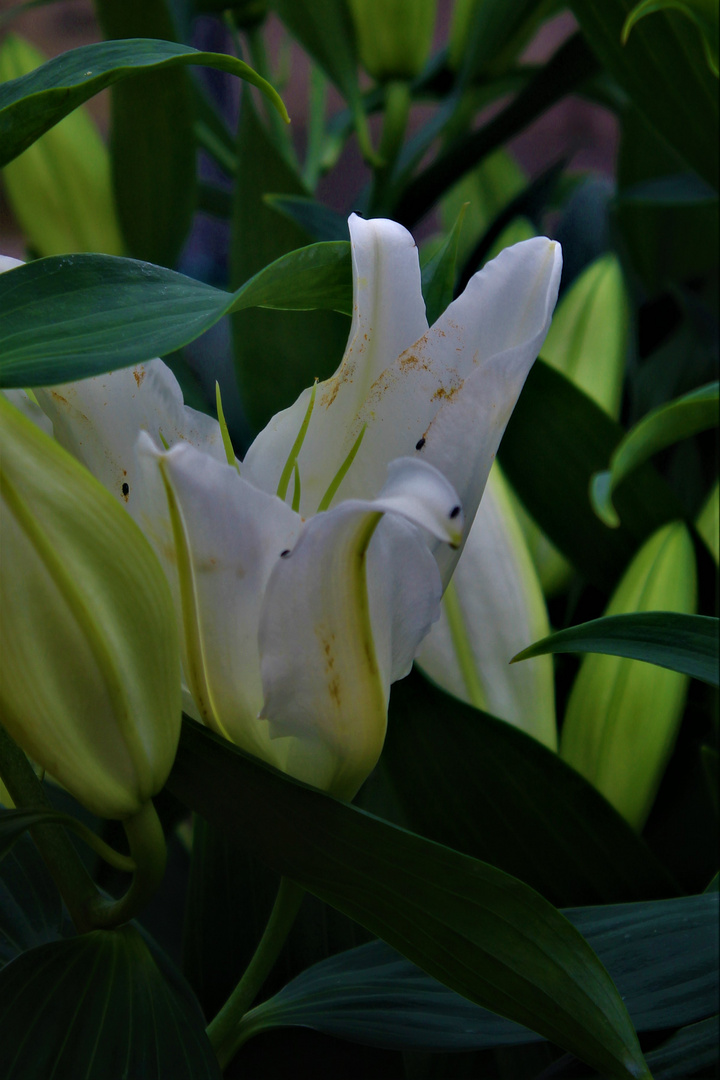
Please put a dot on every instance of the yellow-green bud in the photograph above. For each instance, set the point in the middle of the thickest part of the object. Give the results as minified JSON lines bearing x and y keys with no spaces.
{"x":622,"y":715}
{"x":588,"y":336}
{"x":89,"y":652}
{"x":708,"y":522}
{"x":60,"y":188}
{"x":394,"y":37}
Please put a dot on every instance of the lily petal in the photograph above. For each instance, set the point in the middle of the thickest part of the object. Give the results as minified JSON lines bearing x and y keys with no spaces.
{"x":218,"y":538}
{"x":388,"y":316}
{"x":99,"y":419}
{"x":447,"y":396}
{"x":493,"y":603}
{"x":329,"y":645}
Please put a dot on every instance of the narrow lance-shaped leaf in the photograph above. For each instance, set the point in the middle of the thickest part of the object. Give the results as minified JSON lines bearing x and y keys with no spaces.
{"x":32,"y":104}
{"x":679,"y":419}
{"x":59,"y":188}
{"x":153,"y":161}
{"x":622,"y":716}
{"x":704,"y":13}
{"x":478,"y":930}
{"x":683,"y":108}
{"x":685,"y":643}
{"x":372,"y":995}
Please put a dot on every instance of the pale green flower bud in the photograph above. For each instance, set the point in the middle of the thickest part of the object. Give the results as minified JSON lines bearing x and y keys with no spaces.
{"x":588,"y":337}
{"x":623,"y":715}
{"x":89,"y":652}
{"x":708,"y":522}
{"x":60,"y":188}
{"x":393,"y":36}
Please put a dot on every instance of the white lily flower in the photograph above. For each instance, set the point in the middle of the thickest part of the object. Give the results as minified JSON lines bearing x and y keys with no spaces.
{"x":306,"y":578}
{"x":492,"y":606}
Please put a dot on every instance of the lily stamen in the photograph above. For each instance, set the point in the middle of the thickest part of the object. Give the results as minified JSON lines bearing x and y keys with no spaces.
{"x":341,"y":473}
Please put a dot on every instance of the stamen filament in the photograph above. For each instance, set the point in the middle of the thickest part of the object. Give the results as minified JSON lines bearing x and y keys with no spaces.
{"x":296,"y":448}
{"x":296,"y":490}
{"x":341,"y":473}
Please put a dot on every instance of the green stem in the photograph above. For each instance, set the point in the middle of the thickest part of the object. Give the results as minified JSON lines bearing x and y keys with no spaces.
{"x":398,"y":100}
{"x":88,"y":908}
{"x":149,"y":853}
{"x":224,"y":1031}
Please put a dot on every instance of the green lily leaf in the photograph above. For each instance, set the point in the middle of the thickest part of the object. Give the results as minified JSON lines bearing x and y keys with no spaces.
{"x":679,"y":419}
{"x":685,"y":643}
{"x":494,"y":792}
{"x":663,"y":955}
{"x":60,"y":189}
{"x":439,"y":272}
{"x":100,"y":313}
{"x":325,"y":31}
{"x":704,"y":13}
{"x":556,"y":439}
{"x":662,"y":69}
{"x":310,"y":345}
{"x":104,"y":1012}
{"x":31,"y":910}
{"x":153,"y":161}
{"x":480,"y":931}
{"x":690,"y":1049}
{"x":316,"y":219}
{"x":34,"y":103}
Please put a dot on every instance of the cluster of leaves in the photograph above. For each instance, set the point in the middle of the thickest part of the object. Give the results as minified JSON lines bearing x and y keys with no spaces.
{"x":471,"y":834}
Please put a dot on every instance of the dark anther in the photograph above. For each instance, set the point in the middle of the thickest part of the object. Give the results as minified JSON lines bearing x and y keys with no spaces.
{"x":420,"y":443}
{"x":126,"y":489}
{"x":284,"y":554}
{"x":455,"y":511}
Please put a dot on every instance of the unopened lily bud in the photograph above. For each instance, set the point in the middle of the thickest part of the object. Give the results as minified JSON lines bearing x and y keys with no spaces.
{"x":708,"y":522}
{"x":89,"y":652}
{"x":59,"y":188}
{"x":393,"y":36}
{"x":493,"y":603}
{"x":622,"y":715}
{"x":587,"y":341}
{"x":588,"y":337}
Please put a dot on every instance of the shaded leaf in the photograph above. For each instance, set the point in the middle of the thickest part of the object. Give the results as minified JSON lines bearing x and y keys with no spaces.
{"x":481,"y":931}
{"x":571,"y":65}
{"x":317,"y":220}
{"x":679,"y":419}
{"x":153,"y":161}
{"x":704,"y":13}
{"x":438,"y":273}
{"x":663,"y":70}
{"x":475,"y":783}
{"x":34,"y":103}
{"x":97,"y":1006}
{"x":555,"y":440}
{"x":685,"y":643}
{"x":689,"y":1050}
{"x":276,"y":356}
{"x":663,"y":956}
{"x":31,"y":911}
